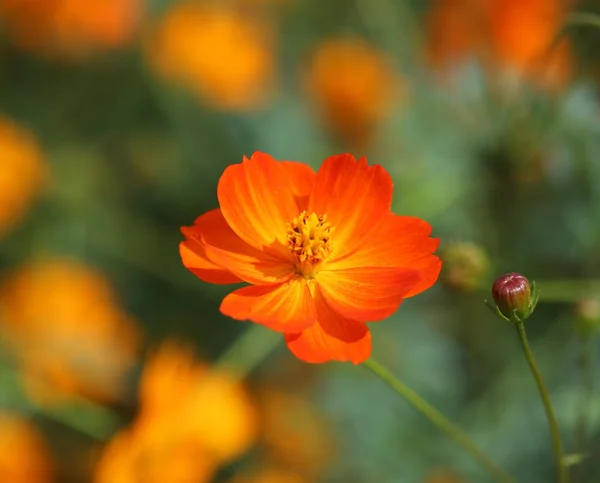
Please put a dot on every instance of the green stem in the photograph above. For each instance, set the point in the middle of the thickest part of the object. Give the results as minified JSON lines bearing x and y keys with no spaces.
{"x":439,"y":420}
{"x":86,"y":417}
{"x":247,"y":351}
{"x":587,"y":383}
{"x":553,"y":425}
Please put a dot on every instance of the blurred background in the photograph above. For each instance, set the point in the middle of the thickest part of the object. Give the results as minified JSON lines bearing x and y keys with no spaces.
{"x":117,"y":118}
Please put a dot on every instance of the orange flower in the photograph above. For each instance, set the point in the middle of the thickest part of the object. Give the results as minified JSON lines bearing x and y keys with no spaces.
{"x":24,"y":455}
{"x":211,"y":404}
{"x":354,"y":86}
{"x":226,"y":58}
{"x":71,"y":28}
{"x":22,"y":172}
{"x":523,"y":31}
{"x":456,"y":31}
{"x":509,"y":36}
{"x":142,"y":455}
{"x":62,"y":322}
{"x":191,"y":420}
{"x":322,"y":252}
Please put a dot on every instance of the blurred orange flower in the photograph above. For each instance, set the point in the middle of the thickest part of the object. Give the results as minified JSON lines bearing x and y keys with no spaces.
{"x":354,"y":86}
{"x":294,"y":434}
{"x":62,"y":322}
{"x":523,"y":31}
{"x":455,"y":31}
{"x":140,"y":454}
{"x":207,"y":402}
{"x":191,"y":420}
{"x":22,"y":172}
{"x":24,"y":455}
{"x":322,"y":251}
{"x":224,"y":57}
{"x":71,"y":28}
{"x":510,"y":36}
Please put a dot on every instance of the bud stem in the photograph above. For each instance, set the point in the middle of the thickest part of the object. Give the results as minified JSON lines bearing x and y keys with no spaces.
{"x":438,"y":419}
{"x":552,"y":424}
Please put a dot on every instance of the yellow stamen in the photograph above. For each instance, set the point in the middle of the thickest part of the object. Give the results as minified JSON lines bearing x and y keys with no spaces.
{"x":308,"y":239}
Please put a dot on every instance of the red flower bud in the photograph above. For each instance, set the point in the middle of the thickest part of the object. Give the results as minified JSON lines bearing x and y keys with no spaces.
{"x":514,"y":296}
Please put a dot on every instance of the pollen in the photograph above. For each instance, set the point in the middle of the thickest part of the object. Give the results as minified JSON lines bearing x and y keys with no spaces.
{"x":309,"y":238}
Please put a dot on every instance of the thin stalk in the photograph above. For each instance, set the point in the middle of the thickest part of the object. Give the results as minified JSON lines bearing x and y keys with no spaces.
{"x":247,"y":351}
{"x":557,"y":445}
{"x":438,"y":419}
{"x":586,"y":367}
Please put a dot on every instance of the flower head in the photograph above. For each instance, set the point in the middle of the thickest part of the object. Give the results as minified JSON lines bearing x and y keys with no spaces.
{"x":587,"y":315}
{"x":514,"y":297}
{"x":192,"y":419}
{"x":25,"y":453}
{"x":465,"y":265}
{"x":223,"y":56}
{"x":322,"y":252}
{"x":63,"y":322}
{"x":22,"y":173}
{"x":354,"y":87}
{"x":509,"y":37}
{"x":72,"y":29}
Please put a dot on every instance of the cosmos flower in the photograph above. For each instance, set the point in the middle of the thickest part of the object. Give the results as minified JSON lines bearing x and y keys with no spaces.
{"x":322,"y":252}
{"x":509,"y":38}
{"x":224,"y":57}
{"x":354,"y":87}
{"x":192,"y":419}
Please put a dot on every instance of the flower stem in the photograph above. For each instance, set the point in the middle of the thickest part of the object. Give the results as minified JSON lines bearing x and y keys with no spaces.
{"x":586,"y":366}
{"x":552,"y":424}
{"x":438,"y":419}
{"x":247,"y":351}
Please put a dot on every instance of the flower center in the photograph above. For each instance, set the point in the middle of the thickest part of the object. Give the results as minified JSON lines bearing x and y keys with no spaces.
{"x":308,"y":239}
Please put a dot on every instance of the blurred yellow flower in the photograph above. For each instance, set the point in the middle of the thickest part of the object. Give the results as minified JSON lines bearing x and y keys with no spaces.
{"x":191,"y":420}
{"x":354,"y":86}
{"x":224,"y":57}
{"x":70,"y":337}
{"x":24,"y":455}
{"x":71,"y":28}
{"x":294,"y":434}
{"x":22,"y":172}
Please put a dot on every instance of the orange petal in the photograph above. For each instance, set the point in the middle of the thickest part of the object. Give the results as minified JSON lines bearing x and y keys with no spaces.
{"x":287,"y":307}
{"x":429,"y":269}
{"x":194,"y":259}
{"x":257,"y":198}
{"x":368,"y":293}
{"x":302,"y":179}
{"x":402,"y":242}
{"x":354,"y":196}
{"x":222,"y":247}
{"x":333,"y":337}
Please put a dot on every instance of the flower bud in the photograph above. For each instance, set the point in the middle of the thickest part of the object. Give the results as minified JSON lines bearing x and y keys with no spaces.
{"x":514,"y":297}
{"x":587,"y":315}
{"x":466,"y":266}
